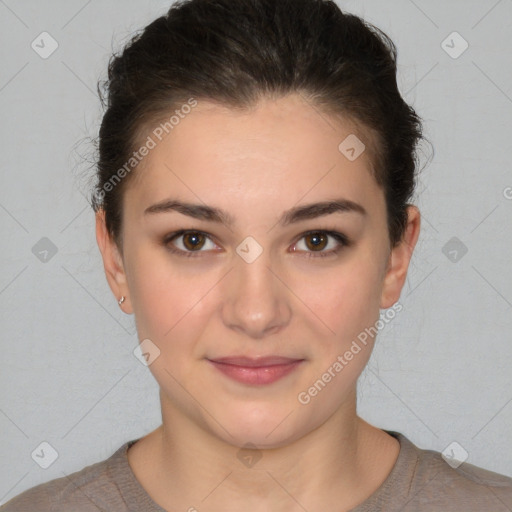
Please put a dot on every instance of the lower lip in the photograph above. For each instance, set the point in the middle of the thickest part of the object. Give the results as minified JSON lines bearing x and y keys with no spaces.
{"x":256,"y":375}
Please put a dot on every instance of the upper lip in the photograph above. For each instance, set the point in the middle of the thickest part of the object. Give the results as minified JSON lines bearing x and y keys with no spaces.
{"x":255,"y":361}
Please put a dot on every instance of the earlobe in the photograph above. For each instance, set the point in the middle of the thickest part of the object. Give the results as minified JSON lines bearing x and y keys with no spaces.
{"x":399,"y":260}
{"x":112,"y":261}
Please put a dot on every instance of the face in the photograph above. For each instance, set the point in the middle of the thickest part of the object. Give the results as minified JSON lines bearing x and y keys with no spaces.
{"x":263,"y":269}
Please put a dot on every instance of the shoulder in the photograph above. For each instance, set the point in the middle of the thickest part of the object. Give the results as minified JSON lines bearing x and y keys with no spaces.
{"x":91,"y":489}
{"x":438,"y":484}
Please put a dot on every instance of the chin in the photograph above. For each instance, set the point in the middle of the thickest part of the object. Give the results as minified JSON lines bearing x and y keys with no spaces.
{"x":263,"y":427}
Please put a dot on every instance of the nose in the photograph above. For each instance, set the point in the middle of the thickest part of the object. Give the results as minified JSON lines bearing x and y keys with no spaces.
{"x":256,"y":300}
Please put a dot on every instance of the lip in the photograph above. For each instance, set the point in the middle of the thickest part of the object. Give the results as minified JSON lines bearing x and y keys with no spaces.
{"x":255,"y":361}
{"x":256,"y":371}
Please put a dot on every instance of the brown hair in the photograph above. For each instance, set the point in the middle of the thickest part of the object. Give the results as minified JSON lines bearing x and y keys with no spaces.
{"x":233,"y":52}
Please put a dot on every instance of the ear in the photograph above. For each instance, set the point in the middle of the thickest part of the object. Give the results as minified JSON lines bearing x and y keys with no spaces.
{"x":399,"y":259}
{"x":112,"y":262}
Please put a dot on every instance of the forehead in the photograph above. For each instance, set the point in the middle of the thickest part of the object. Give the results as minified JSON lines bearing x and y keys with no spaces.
{"x":272,"y":154}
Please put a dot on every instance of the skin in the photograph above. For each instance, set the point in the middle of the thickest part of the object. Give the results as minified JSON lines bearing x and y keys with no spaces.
{"x":255,"y":165}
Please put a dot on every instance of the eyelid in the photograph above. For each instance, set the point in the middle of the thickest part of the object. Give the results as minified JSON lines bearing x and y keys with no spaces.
{"x":177,"y":234}
{"x":342,"y":240}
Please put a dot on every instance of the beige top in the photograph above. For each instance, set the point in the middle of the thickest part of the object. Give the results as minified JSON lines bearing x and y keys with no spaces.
{"x":420,"y":481}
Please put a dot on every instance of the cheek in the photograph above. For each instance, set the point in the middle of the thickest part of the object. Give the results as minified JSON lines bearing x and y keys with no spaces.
{"x":342,"y":301}
{"x":156,"y":293}
{"x":168,"y":302}
{"x":348,"y":303}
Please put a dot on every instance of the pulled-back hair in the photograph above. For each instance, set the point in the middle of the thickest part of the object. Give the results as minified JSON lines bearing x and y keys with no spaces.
{"x":236,"y":52}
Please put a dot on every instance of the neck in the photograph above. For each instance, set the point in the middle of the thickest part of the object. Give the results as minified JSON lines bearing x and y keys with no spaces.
{"x":336,"y":466}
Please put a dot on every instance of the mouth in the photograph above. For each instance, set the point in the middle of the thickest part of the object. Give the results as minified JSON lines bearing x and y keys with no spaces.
{"x":256,"y":371}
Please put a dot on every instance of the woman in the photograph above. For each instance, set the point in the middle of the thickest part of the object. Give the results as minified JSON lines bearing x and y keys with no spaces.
{"x":256,"y":163}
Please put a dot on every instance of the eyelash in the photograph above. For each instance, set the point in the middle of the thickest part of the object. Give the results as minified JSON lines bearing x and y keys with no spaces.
{"x":339,"y":237}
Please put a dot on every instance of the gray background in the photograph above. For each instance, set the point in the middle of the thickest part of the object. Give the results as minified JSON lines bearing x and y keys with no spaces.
{"x":441,"y":371}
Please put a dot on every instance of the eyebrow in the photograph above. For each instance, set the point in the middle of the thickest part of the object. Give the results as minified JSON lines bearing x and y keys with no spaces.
{"x":296,"y":214}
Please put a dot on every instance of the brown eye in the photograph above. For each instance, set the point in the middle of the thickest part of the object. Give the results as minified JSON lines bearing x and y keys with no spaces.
{"x":316,"y":241}
{"x":188,"y":243}
{"x":193,"y":241}
{"x":314,"y":244}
